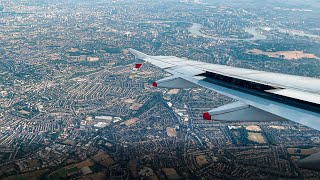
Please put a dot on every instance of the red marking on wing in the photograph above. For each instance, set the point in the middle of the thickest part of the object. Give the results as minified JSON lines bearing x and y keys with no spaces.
{"x":206,"y":116}
{"x":138,"y":66}
{"x":154,"y":84}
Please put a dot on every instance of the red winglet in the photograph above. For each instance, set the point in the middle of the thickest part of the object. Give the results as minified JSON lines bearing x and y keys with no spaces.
{"x":138,"y":66}
{"x":154,"y":84}
{"x":206,"y":116}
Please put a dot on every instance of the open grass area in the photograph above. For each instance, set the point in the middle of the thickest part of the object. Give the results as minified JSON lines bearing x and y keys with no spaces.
{"x":256,"y":137}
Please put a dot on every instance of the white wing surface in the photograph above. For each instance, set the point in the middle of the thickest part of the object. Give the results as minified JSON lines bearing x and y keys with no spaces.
{"x":283,"y":96}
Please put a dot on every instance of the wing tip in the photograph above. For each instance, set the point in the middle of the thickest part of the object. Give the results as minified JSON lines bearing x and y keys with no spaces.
{"x":138,"y":54}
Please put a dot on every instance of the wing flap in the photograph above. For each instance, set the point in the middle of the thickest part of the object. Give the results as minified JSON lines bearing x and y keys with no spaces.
{"x":300,"y":95}
{"x":284,"y":81}
{"x":239,"y":111}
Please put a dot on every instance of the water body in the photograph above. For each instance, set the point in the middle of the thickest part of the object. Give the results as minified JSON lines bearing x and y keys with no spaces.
{"x":298,"y":33}
{"x":195,"y":30}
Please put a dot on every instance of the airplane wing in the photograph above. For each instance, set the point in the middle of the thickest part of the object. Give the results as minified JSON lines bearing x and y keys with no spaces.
{"x":262,"y":96}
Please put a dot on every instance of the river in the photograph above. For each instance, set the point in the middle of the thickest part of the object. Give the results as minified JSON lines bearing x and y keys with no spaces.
{"x":195,"y":30}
